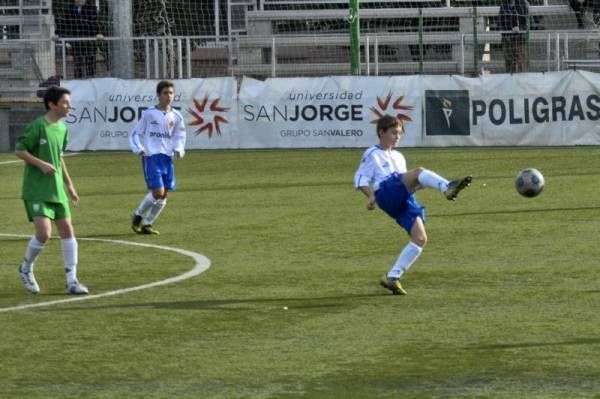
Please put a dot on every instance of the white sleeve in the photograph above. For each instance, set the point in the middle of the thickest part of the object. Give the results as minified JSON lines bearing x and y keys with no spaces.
{"x":364,"y":173}
{"x":179,"y":136}
{"x":137,"y":134}
{"x":401,"y":162}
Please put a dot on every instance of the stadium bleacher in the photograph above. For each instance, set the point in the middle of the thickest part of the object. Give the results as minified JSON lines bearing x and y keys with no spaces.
{"x":308,"y":38}
{"x":278,"y":39}
{"x":24,"y":56}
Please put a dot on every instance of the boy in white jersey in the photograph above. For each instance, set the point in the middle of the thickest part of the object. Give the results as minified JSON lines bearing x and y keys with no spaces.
{"x":383,"y":178}
{"x":158,"y":136}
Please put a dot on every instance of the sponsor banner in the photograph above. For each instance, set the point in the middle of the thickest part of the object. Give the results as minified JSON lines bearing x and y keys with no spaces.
{"x":447,"y":113}
{"x":325,"y":112}
{"x":559,"y":108}
{"x":106,"y":110}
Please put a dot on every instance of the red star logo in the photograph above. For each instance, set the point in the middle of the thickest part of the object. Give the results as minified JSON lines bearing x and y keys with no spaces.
{"x":397,"y":105}
{"x":200,"y":119}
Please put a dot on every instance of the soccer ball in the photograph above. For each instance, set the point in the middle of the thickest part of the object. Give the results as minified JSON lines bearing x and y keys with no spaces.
{"x":529,"y":182}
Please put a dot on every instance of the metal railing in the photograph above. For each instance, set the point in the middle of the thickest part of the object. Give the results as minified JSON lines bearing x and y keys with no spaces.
{"x":281,"y":56}
{"x":395,"y":54}
{"x":175,"y":57}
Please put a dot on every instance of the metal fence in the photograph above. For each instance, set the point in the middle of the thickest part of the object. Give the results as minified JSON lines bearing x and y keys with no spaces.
{"x":291,"y":55}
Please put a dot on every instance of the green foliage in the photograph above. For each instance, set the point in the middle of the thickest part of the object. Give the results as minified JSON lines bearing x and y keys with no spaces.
{"x":503,"y":302}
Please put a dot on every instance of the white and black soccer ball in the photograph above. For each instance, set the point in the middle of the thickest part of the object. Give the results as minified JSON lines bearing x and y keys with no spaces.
{"x":529,"y":182}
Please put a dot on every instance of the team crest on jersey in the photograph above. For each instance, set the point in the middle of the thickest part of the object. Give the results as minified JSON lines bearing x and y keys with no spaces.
{"x":171,"y":124}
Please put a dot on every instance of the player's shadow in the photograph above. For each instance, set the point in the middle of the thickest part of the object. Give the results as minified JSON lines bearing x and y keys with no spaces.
{"x":517,"y":211}
{"x":517,"y":345}
{"x":235,"y":305}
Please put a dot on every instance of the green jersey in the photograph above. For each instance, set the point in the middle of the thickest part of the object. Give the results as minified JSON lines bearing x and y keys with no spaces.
{"x":47,"y":142}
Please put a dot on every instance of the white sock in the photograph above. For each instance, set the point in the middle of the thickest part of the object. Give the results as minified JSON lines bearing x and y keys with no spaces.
{"x":407,"y":257}
{"x":69,"y":251}
{"x":156,"y":209}
{"x":431,"y":179}
{"x":34,"y":248}
{"x":146,"y":203}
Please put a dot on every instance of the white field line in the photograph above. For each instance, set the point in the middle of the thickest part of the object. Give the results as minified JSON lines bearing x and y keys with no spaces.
{"x":70,"y":154}
{"x":202,"y":264}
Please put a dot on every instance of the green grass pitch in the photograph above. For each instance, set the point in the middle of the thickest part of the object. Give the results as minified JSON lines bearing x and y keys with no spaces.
{"x":503,"y":303}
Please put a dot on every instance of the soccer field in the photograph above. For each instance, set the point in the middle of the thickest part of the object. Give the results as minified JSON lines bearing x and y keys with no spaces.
{"x":503,"y":303}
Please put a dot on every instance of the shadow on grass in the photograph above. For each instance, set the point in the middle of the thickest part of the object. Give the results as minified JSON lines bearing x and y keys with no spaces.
{"x":237,"y":304}
{"x":517,"y":211}
{"x":575,"y":341}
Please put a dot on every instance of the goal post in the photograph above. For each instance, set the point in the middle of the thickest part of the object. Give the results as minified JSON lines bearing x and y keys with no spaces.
{"x":354,"y":19}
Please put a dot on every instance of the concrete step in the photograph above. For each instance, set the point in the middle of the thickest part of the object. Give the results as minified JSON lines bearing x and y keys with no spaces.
{"x":17,"y":89}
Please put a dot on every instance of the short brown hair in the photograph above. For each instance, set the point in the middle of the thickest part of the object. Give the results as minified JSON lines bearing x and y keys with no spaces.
{"x":53,"y":95}
{"x":162,"y":84}
{"x":386,"y":122}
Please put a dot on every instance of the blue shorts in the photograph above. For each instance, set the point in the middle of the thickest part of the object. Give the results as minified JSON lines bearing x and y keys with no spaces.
{"x":401,"y":205}
{"x":159,"y":171}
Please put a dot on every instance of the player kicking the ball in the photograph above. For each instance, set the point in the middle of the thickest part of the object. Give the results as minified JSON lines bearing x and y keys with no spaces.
{"x":44,"y":181}
{"x":158,"y":136}
{"x":383,"y":178}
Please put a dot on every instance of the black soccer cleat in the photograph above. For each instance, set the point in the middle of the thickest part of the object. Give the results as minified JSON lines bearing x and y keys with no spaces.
{"x":136,"y":223}
{"x":148,"y":229}
{"x":456,"y":186}
{"x":392,"y":284}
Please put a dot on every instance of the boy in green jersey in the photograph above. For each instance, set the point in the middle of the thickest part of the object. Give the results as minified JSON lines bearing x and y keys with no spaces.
{"x":44,"y":182}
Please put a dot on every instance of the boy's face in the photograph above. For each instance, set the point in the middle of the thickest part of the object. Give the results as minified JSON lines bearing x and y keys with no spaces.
{"x":391,"y":136}
{"x":62,"y":107}
{"x":166,"y":96}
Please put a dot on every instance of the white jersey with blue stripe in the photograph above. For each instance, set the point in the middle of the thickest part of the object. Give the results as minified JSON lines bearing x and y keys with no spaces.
{"x":158,"y":132}
{"x":377,"y":165}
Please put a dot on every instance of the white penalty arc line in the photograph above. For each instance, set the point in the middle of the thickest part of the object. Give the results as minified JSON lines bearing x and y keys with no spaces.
{"x":202,"y":264}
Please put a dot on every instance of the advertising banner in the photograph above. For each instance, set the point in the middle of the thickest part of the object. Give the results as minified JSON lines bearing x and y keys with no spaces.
{"x":106,"y":110}
{"x":326,"y":112}
{"x":557,"y":108}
